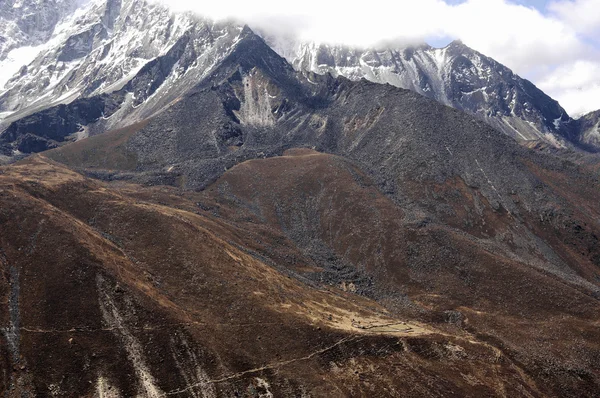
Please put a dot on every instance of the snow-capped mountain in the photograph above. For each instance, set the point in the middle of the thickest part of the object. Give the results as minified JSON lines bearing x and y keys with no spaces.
{"x":73,"y":68}
{"x":105,"y":44}
{"x":455,"y":75}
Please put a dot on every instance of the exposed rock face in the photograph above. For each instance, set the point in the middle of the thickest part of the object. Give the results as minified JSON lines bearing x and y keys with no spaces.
{"x":454,"y":75}
{"x":589,"y":129}
{"x":255,"y":104}
{"x":52,"y":127}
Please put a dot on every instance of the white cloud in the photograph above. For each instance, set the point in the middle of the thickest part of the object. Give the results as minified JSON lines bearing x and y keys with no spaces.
{"x":581,"y":15}
{"x":577,"y":84}
{"x":540,"y":47}
{"x":579,"y":100}
{"x":331,"y":21}
{"x":515,"y":35}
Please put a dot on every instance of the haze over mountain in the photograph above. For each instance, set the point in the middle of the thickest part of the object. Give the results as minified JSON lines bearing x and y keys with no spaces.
{"x":230,"y":224}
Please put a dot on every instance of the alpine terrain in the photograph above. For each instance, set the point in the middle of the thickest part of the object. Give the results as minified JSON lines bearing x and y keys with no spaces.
{"x":71,"y":64}
{"x":201,"y":218}
{"x":455,"y":75}
{"x":102,"y":61}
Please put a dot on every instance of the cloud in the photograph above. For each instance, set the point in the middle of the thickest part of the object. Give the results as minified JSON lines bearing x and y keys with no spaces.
{"x":539,"y":46}
{"x":515,"y":35}
{"x":330,"y":21}
{"x":581,"y":15}
{"x":577,"y":84}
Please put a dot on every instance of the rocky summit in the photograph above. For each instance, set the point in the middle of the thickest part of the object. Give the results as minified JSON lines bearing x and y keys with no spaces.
{"x":223,"y":223}
{"x":455,"y":75}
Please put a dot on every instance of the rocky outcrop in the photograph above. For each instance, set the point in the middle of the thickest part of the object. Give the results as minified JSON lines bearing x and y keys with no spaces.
{"x":588,"y":129}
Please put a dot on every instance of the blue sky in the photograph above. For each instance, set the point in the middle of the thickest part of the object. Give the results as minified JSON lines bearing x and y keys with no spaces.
{"x":539,"y":4}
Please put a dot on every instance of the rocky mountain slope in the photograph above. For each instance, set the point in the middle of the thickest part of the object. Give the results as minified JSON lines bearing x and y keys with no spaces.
{"x":455,"y":75}
{"x":152,"y":296}
{"x":274,"y":232}
{"x":589,"y":128}
{"x":98,"y":68}
{"x":106,"y":47}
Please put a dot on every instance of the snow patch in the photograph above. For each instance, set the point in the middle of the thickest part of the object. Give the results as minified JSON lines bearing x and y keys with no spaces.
{"x":557,"y":122}
{"x":15,"y":60}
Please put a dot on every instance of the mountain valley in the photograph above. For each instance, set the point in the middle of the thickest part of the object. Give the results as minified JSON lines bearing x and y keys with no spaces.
{"x":213,"y":220}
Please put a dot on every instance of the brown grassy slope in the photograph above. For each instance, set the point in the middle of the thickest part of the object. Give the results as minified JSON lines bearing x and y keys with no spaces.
{"x":543,"y":320}
{"x":121,"y":296}
{"x":105,"y":151}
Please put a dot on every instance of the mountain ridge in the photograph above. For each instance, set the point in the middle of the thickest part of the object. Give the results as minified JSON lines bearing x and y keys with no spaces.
{"x":589,"y":127}
{"x":113,"y":52}
{"x":454,"y":75}
{"x":159,"y":68}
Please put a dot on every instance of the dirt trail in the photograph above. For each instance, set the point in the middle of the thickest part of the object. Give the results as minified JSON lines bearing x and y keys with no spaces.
{"x":273,"y":365}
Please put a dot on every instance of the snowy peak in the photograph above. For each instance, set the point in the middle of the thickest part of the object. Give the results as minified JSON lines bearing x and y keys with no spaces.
{"x":455,"y":75}
{"x":104,"y":45}
{"x":105,"y":69}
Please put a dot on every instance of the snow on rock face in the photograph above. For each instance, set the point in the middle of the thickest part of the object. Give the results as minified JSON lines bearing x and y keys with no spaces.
{"x":104,"y":44}
{"x":25,"y":26}
{"x":30,"y":22}
{"x":111,"y":63}
{"x":455,"y":75}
